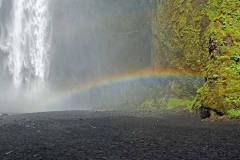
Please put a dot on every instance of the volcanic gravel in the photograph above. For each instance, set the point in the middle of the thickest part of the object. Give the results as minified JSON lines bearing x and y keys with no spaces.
{"x":85,"y":135}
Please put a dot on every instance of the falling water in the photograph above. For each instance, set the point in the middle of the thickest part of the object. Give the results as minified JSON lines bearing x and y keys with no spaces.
{"x":27,"y":43}
{"x":90,"y":40}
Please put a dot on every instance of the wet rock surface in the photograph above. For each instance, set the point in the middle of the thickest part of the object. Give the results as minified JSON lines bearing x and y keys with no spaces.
{"x":116,"y":135}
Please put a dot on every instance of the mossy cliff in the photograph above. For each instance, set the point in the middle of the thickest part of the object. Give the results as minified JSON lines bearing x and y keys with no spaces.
{"x":201,"y":36}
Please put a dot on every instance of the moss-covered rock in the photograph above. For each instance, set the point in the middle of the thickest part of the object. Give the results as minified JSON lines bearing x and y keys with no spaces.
{"x":178,"y":39}
{"x":201,"y":36}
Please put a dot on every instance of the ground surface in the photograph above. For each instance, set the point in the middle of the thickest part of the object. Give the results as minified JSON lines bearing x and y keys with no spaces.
{"x":113,"y":135}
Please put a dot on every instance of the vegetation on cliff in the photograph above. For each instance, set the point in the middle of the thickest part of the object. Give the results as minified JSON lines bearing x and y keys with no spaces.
{"x":202,"y":36}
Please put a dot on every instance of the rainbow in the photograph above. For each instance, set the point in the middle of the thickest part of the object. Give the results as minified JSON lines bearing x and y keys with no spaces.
{"x":124,"y":77}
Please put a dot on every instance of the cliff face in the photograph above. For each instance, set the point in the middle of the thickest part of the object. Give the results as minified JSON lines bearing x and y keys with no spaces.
{"x":201,"y":36}
{"x":178,"y":30}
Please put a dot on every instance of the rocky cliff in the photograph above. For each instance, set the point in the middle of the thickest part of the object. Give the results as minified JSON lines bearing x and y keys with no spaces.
{"x":201,"y":36}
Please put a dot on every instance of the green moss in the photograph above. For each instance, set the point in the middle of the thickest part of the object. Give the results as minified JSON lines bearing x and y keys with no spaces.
{"x":234,"y":113}
{"x":170,"y":104}
{"x":174,"y":103}
{"x":177,"y":36}
{"x":235,"y":68}
{"x":235,"y":57}
{"x":183,"y":33}
{"x":148,"y":104}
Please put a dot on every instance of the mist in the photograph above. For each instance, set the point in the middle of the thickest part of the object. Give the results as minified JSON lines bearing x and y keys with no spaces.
{"x":96,"y":38}
{"x":83,"y":41}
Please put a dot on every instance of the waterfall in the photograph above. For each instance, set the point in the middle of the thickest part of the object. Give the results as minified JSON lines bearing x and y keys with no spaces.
{"x":27,"y":43}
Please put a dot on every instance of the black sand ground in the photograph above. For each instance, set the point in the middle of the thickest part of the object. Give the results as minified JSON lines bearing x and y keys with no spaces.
{"x":85,"y":135}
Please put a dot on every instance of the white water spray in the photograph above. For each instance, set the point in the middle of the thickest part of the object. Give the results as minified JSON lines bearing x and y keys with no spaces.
{"x":27,"y":43}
